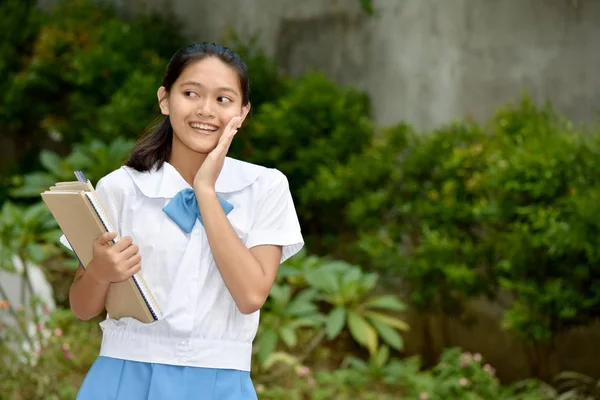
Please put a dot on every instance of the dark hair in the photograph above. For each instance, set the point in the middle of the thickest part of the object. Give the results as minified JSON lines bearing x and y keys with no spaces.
{"x":154,"y":146}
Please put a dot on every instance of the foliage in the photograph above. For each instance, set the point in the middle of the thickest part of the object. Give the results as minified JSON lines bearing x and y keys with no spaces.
{"x":456,"y":376}
{"x":314,"y":123}
{"x":575,"y":386}
{"x":96,"y":158}
{"x":54,"y":370}
{"x":27,"y":232}
{"x":91,"y":74}
{"x":331,"y":297}
{"x":466,"y":211}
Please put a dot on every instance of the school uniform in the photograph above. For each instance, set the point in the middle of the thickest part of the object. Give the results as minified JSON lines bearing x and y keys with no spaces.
{"x":202,"y":347}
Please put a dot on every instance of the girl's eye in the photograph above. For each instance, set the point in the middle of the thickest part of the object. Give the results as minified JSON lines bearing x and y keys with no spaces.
{"x":189,"y":93}
{"x":223,"y":99}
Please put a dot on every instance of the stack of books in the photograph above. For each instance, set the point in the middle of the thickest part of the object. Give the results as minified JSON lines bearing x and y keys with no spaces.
{"x":82,"y":219}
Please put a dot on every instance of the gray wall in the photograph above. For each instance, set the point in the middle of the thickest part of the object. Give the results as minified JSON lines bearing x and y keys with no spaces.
{"x":423,"y":61}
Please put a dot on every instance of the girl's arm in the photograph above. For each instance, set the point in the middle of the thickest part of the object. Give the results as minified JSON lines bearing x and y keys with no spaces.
{"x":87,"y":296}
{"x":248,"y":273}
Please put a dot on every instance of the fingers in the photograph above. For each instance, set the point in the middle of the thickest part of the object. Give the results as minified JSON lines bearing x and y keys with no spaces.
{"x":123,"y":244}
{"x":133,"y":260}
{"x":133,"y":270}
{"x":128,"y":273}
{"x":105,"y":238}
{"x":129,"y":252}
{"x":233,"y":125}
{"x":228,"y":134}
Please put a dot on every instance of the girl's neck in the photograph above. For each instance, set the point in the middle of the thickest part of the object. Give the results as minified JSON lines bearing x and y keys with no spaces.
{"x":187,"y":162}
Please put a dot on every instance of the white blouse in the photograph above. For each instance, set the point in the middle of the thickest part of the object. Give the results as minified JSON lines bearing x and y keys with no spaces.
{"x":201,"y":326}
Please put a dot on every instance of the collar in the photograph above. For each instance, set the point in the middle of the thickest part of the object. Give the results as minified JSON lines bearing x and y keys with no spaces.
{"x":166,"y":182}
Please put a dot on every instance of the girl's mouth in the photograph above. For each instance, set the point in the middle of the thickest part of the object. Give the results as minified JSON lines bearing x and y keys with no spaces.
{"x":204,"y":128}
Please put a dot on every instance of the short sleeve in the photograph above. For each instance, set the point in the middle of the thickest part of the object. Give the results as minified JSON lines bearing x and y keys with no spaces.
{"x":109,"y":206}
{"x":276,"y":221}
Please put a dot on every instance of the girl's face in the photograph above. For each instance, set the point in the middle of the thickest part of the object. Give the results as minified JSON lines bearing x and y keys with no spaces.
{"x":200,"y":103}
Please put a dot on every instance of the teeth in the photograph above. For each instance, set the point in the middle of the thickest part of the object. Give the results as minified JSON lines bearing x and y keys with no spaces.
{"x":204,"y":127}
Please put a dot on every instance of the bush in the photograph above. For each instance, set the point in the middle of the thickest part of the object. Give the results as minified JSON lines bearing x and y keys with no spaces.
{"x":315,"y":123}
{"x":466,"y":211}
{"x":85,"y":73}
{"x":54,"y":370}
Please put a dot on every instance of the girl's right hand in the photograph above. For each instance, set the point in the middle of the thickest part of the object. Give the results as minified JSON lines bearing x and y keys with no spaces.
{"x":114,"y":262}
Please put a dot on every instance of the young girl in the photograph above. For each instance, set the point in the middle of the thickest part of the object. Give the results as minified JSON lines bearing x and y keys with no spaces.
{"x":208,"y":233}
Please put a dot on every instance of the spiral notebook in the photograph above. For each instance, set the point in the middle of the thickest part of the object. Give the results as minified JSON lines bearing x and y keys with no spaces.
{"x":82,"y":218}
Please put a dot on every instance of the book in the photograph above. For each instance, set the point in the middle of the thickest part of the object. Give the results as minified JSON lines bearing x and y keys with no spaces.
{"x":80,"y":215}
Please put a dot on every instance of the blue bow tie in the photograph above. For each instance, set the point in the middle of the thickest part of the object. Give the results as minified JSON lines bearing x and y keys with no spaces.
{"x":183,"y":209}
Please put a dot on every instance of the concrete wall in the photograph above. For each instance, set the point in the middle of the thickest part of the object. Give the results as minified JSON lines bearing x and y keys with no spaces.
{"x":423,"y":61}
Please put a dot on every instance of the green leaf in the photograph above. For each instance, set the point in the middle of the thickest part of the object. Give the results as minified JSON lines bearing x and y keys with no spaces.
{"x":335,"y":322}
{"x":281,"y":293}
{"x":323,"y":279}
{"x":298,"y":308}
{"x":388,"y":334}
{"x":389,"y":302}
{"x":280,"y":357}
{"x":386,"y":319}
{"x":36,"y":252}
{"x":288,"y":336}
{"x":362,"y":331}
{"x":357,"y":364}
{"x":383,"y":356}
{"x":51,"y":161}
{"x":36,"y":213}
{"x":34,"y":184}
{"x":267,"y":342}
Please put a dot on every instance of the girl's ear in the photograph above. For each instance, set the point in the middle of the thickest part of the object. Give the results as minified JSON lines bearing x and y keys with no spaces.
{"x":245,"y":111}
{"x":163,"y":100}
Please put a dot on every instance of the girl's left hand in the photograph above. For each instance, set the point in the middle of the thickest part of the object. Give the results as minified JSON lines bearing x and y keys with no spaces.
{"x":206,"y":177}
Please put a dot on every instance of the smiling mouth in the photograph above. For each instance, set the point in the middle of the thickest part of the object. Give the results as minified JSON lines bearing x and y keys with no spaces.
{"x":204,"y":128}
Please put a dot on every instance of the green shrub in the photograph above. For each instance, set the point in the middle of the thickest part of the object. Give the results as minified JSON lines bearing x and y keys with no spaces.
{"x":466,"y":211}
{"x":86,"y":73}
{"x":54,"y":370}
{"x":315,"y":123}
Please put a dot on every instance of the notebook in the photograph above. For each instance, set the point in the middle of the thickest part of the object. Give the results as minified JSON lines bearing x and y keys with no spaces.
{"x":82,"y":218}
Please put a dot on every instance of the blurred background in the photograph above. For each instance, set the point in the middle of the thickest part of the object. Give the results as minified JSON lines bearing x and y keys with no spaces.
{"x":444,"y":161}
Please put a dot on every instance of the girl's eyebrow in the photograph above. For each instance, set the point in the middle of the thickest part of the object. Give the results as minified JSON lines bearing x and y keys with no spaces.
{"x":201,"y":86}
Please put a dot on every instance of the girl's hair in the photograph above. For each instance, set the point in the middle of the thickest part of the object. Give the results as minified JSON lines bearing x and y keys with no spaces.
{"x":154,"y":146}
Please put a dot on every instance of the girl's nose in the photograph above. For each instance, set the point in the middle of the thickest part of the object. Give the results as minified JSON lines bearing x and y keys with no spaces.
{"x":205,"y":108}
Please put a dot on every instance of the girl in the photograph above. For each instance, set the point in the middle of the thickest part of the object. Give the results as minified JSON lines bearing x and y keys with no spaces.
{"x":210,"y":232}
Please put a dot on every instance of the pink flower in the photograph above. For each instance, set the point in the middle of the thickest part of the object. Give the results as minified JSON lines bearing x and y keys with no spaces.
{"x":303,"y":371}
{"x":489,"y":369}
{"x":68,"y":355}
{"x":463,"y":382}
{"x":65,"y":347}
{"x":46,"y":310}
{"x":58,"y":332}
{"x":423,"y":395}
{"x":477,"y":357}
{"x":40,"y":326}
{"x":464,"y":363}
{"x":466,"y":356}
{"x":38,"y":351}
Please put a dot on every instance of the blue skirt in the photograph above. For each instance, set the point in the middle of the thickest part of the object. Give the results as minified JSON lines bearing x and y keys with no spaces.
{"x":116,"y":379}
